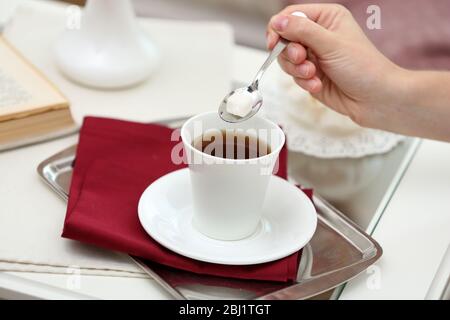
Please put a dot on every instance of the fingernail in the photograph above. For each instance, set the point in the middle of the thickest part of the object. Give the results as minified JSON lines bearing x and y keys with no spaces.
{"x":280,"y":23}
{"x":303,"y":70}
{"x":299,"y":14}
{"x":292,"y":53}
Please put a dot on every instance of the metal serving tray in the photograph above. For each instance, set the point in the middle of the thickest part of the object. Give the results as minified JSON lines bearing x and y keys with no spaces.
{"x":338,"y":251}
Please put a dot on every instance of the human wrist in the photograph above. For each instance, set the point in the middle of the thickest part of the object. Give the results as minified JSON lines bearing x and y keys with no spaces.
{"x":410,"y":88}
{"x":420,"y":105}
{"x":389,"y":95}
{"x":428,"y":88}
{"x":402,"y":87}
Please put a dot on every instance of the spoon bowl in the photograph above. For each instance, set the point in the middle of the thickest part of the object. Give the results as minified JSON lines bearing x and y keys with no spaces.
{"x":256,"y":105}
{"x":252,"y":88}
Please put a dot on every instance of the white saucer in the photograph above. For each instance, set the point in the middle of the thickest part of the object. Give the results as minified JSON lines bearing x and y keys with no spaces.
{"x":289,"y":222}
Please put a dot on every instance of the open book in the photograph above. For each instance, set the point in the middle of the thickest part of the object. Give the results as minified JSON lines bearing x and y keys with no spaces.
{"x":31,"y":108}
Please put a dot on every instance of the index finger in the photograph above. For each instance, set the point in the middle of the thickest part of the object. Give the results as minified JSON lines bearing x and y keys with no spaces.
{"x":312,"y":11}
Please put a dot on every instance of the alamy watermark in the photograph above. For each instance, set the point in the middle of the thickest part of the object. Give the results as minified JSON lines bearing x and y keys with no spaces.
{"x":226,"y":146}
{"x":73,"y":281}
{"x":373,"y":21}
{"x":73,"y":17}
{"x":373,"y":281}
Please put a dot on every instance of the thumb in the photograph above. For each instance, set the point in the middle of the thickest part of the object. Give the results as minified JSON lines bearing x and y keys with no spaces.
{"x":296,"y":28}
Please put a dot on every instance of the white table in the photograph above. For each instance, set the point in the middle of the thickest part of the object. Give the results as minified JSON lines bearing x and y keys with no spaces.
{"x":414,"y":230}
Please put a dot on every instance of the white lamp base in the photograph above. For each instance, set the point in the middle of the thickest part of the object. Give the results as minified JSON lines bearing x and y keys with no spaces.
{"x":108,"y":51}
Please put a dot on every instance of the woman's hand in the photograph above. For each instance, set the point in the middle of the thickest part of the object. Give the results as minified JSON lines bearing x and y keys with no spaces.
{"x":330,"y":57}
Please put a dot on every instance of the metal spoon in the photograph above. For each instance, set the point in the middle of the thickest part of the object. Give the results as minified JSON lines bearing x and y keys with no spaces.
{"x":252,"y":88}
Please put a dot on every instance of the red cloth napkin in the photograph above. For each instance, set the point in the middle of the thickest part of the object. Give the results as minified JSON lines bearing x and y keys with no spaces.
{"x":115,"y":162}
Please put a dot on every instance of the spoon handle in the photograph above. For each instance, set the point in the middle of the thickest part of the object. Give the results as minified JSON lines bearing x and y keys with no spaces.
{"x":272,"y":56}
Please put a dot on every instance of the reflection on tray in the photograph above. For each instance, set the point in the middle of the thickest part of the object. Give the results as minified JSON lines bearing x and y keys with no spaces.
{"x":356,"y":187}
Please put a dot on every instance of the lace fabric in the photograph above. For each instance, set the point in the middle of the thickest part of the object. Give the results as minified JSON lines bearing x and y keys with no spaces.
{"x":316,"y":130}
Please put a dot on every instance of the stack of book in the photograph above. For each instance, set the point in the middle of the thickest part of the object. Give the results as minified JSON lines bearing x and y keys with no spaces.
{"x":31,"y":108}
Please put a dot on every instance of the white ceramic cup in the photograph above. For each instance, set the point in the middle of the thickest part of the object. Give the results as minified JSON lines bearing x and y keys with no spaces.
{"x":228,"y":194}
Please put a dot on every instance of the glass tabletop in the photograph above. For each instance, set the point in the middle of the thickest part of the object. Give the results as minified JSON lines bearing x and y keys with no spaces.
{"x":360,"y":188}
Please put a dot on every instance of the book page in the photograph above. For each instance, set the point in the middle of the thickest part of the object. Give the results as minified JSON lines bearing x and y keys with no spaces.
{"x":23,"y":89}
{"x":11,"y":92}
